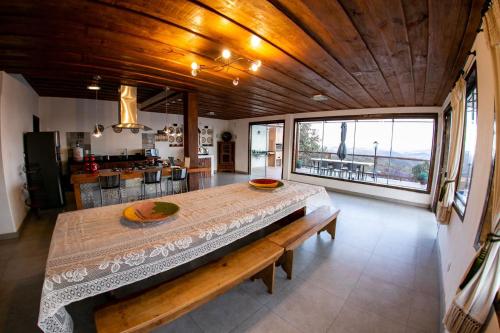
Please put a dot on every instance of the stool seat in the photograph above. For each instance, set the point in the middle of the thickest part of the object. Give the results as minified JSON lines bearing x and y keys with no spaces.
{"x":109,"y":182}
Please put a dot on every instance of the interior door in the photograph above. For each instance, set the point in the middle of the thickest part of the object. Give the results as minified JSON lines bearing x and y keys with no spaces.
{"x":259,"y":136}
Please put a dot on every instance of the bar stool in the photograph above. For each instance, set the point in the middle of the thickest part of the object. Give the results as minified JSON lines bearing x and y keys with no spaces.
{"x":204,"y":176}
{"x":151,"y":177}
{"x":179,"y":175}
{"x":110,"y":182}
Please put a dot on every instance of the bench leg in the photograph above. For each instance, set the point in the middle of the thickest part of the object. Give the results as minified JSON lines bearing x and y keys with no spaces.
{"x":287,"y":263}
{"x":330,"y":228}
{"x":268,"y":277}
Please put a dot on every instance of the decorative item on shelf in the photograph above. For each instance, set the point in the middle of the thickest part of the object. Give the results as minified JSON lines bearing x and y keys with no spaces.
{"x":174,"y":135}
{"x":94,"y":167}
{"x":205,"y":136}
{"x":227,"y":61}
{"x":226,"y":136}
{"x":90,"y":165}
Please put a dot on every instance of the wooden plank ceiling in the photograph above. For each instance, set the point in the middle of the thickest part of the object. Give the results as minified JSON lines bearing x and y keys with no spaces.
{"x":358,"y":53}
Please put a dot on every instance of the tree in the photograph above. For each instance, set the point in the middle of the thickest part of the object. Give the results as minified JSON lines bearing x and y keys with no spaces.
{"x":308,"y":142}
{"x":308,"y":139}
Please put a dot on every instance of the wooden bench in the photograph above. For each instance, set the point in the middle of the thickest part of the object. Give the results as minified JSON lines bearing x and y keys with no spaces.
{"x":173,"y":299}
{"x":294,"y":234}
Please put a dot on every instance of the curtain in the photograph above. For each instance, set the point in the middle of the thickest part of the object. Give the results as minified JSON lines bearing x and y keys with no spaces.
{"x":476,"y":294}
{"x":447,"y":192}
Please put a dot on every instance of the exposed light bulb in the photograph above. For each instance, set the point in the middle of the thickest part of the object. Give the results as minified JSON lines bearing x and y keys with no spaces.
{"x":255,"y":41}
{"x":254,"y":67}
{"x":258,"y":63}
{"x":226,"y":54}
{"x":236,"y":81}
{"x":194,"y":72}
{"x":194,"y":65}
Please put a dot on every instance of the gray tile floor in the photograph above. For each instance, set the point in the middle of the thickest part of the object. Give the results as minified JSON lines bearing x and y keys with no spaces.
{"x":380,"y":274}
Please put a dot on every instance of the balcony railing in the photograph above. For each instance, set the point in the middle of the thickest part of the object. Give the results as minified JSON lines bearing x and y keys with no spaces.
{"x":406,"y":172}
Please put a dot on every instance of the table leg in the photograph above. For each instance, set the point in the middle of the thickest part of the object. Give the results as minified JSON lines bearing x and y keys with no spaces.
{"x":78,"y":196}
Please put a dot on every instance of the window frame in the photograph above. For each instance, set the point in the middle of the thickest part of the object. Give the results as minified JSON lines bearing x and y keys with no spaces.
{"x":433,"y":116}
{"x":460,"y":213}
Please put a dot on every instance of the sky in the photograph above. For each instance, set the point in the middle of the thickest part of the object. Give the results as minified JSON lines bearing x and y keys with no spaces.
{"x":410,"y":135}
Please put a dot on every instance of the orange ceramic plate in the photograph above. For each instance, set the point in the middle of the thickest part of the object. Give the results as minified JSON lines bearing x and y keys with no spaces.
{"x":264,"y":182}
{"x":150,"y":211}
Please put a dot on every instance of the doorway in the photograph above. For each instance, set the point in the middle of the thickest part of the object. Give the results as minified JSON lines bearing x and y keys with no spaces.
{"x":266,"y":149}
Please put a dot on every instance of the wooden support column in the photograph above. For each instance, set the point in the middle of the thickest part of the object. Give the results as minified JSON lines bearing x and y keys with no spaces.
{"x":190,"y":106}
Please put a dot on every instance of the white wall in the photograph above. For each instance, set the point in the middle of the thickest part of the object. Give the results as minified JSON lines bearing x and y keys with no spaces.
{"x":79,"y":115}
{"x":18,"y":104}
{"x":239,"y":127}
{"x":456,"y":240}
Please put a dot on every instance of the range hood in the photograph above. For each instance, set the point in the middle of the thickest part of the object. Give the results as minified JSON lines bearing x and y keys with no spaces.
{"x":127,"y":118}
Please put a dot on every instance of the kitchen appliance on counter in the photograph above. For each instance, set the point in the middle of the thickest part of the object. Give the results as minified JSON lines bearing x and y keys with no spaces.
{"x":151,"y":152}
{"x":43,"y":169}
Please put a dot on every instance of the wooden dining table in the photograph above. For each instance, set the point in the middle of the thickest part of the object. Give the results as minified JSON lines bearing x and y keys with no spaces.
{"x":94,"y":251}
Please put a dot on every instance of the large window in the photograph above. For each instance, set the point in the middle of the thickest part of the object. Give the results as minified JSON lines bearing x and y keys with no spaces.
{"x":469,"y":145}
{"x":391,"y":151}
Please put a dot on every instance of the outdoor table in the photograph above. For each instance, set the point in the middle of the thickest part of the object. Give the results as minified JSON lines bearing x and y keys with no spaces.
{"x":317,"y":163}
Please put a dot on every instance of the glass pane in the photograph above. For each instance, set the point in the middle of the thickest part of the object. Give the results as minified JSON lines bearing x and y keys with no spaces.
{"x":469,"y":146}
{"x":409,"y":173}
{"x":275,"y":151}
{"x":309,"y":147}
{"x":411,"y":153}
{"x":370,"y":132}
{"x":259,"y":137}
{"x":373,"y":141}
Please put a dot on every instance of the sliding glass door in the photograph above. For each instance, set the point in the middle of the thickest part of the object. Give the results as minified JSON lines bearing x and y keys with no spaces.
{"x":266,"y":150}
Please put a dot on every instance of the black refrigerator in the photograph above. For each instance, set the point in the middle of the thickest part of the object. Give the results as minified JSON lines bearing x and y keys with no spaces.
{"x":43,"y":169}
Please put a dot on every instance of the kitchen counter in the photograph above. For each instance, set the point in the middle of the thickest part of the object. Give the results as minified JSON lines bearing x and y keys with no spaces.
{"x":207,"y":161}
{"x":86,"y":185}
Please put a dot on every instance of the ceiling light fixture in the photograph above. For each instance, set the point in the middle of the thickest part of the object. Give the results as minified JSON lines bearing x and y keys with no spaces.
{"x":225,"y":62}
{"x":255,"y":41}
{"x":94,"y":85}
{"x":319,"y":98}
{"x":226,"y":54}
{"x":166,"y":129}
{"x":97,"y":132}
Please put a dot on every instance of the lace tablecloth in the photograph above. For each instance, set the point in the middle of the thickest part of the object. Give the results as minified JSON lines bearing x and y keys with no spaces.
{"x":94,"y":250}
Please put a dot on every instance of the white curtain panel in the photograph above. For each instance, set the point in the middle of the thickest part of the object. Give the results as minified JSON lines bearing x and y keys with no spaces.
{"x":493,"y":28}
{"x":473,"y":302}
{"x":447,"y":191}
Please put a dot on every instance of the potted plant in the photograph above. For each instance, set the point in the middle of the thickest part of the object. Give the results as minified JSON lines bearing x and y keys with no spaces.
{"x":299,"y":164}
{"x":423,"y":177}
